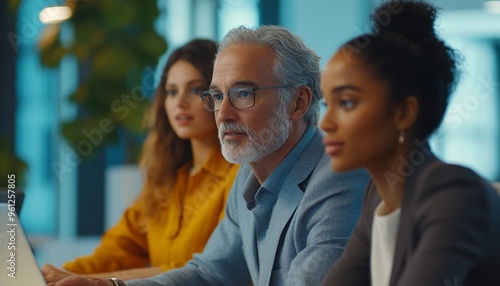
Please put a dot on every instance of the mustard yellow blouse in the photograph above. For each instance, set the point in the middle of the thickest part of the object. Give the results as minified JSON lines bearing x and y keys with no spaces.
{"x":168,"y":242}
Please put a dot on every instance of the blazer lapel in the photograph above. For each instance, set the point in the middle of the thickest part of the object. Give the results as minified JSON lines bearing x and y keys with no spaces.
{"x":282,"y":213}
{"x":406,"y":226}
{"x":286,"y":204}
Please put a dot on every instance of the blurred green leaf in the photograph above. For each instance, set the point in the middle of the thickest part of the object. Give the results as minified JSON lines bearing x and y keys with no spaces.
{"x":113,"y":62}
{"x":118,"y":14}
{"x":50,"y":47}
{"x":150,"y":44}
{"x":12,"y":5}
{"x":89,"y":35}
{"x":133,"y":122}
{"x":86,"y":135}
{"x":114,"y":42}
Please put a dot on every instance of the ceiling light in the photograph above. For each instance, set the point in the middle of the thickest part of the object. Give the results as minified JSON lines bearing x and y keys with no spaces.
{"x":492,"y":7}
{"x":55,"y":14}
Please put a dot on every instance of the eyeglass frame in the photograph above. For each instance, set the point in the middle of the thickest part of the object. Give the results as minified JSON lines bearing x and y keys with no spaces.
{"x":252,"y":89}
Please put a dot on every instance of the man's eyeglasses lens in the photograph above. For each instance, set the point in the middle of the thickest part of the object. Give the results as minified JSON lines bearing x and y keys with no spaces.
{"x":240,"y":97}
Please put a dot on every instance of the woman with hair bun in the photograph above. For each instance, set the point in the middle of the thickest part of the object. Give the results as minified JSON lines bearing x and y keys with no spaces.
{"x":424,"y":222}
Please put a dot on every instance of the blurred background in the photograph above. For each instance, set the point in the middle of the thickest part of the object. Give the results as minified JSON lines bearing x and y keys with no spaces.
{"x":77,"y":77}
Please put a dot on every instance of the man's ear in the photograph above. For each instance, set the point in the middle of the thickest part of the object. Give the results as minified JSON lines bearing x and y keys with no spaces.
{"x":301,"y":101}
{"x":406,"y":113}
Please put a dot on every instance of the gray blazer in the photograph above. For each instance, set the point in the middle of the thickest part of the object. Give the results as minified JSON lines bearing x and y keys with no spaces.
{"x":286,"y":232}
{"x":448,"y":234}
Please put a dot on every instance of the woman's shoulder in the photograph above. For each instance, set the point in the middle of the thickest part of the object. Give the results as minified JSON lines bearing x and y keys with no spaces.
{"x":437,"y":178}
{"x":440,"y":172}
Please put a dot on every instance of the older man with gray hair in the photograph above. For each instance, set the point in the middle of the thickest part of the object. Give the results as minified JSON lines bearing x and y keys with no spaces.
{"x":288,"y":216}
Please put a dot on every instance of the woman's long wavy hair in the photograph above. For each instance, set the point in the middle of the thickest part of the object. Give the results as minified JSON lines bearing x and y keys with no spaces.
{"x":164,"y":152}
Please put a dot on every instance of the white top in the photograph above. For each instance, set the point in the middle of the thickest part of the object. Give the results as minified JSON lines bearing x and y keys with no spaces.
{"x":384,"y":230}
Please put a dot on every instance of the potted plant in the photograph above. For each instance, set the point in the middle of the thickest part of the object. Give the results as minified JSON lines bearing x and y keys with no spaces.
{"x":116,"y":45}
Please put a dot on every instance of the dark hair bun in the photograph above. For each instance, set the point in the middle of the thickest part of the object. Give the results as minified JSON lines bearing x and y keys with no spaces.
{"x":404,"y":52}
{"x":414,"y":20}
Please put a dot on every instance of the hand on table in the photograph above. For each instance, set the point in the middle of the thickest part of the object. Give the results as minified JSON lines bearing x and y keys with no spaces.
{"x":82,"y":281}
{"x":54,"y":274}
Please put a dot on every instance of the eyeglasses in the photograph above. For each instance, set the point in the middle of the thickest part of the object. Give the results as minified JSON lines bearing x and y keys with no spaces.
{"x":239,"y":97}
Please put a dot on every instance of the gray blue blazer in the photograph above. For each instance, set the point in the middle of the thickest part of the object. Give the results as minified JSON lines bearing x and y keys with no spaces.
{"x":287,"y":231}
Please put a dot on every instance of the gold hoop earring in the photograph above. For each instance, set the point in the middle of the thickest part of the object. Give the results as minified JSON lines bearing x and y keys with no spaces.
{"x":401,"y":137}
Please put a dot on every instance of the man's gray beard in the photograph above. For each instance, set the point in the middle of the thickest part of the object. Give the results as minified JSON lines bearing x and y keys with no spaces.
{"x":260,"y":143}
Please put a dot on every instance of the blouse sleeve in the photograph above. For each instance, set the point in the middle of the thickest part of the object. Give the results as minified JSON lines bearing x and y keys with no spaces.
{"x":123,"y":246}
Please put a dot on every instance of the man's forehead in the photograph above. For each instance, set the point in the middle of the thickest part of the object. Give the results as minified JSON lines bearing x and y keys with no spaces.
{"x":243,"y":63}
